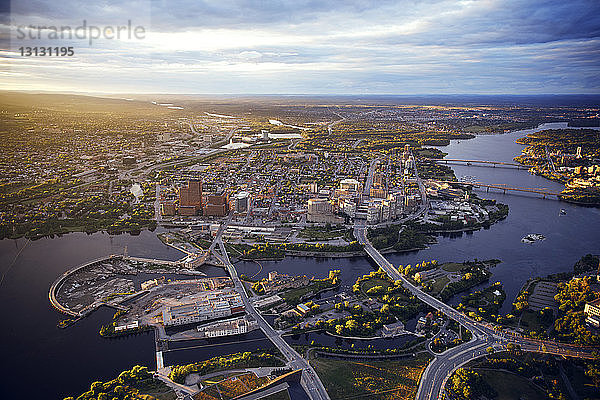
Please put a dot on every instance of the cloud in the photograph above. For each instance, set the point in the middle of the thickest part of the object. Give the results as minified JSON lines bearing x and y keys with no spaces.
{"x":484,"y":46}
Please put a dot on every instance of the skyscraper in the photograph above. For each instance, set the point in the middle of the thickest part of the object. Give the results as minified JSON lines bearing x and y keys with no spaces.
{"x":190,"y":198}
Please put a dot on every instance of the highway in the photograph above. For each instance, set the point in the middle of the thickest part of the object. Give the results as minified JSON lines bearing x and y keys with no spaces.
{"x":310,"y":381}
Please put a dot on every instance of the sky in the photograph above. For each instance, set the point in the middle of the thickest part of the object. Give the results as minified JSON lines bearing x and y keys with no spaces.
{"x":306,"y":47}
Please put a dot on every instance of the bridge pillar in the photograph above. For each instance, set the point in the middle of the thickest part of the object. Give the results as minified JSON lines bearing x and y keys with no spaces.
{"x":504,"y":191}
{"x":487,"y":189}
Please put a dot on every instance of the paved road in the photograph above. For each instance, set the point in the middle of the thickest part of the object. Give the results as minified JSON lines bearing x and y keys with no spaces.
{"x":310,"y":381}
{"x":420,"y":183}
{"x":369,"y":181}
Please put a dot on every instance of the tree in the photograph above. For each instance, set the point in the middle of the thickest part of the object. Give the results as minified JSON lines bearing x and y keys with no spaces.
{"x":124,"y":377}
{"x":490,"y":350}
{"x":592,"y":371}
{"x":351,"y":324}
{"x":466,"y":384}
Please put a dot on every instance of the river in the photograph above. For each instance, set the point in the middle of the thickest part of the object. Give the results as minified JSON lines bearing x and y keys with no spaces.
{"x":42,"y":361}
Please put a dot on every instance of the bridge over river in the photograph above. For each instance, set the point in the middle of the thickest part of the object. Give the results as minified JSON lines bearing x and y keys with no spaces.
{"x":505,"y":188}
{"x":480,"y":163}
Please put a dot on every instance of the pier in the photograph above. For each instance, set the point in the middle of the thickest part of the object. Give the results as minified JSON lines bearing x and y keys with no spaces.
{"x":57,"y":284}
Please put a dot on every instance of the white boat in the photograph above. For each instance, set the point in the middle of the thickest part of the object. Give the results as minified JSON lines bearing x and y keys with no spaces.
{"x":532,"y":237}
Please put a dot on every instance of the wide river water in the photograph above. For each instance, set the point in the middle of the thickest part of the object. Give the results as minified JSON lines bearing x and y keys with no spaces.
{"x":42,"y":361}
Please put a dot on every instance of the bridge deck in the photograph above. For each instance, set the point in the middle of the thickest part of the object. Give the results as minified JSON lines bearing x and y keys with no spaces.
{"x":480,"y":162}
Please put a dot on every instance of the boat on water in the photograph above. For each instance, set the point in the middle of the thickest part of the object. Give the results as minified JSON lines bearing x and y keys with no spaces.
{"x":563,"y":211}
{"x":532,"y":237}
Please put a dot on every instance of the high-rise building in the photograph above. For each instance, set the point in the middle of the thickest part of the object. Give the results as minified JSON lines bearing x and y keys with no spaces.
{"x":319,"y":206}
{"x":241,"y":203}
{"x":190,"y":197}
{"x":321,"y":210}
{"x":217,"y":205}
{"x":378,"y":192}
{"x":350,"y":185}
{"x":167,"y":208}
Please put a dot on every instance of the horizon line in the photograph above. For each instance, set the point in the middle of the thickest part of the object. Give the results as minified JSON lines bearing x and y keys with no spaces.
{"x":93,"y":93}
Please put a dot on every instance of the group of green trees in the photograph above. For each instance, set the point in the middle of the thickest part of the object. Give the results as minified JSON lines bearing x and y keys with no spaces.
{"x":570,"y":324}
{"x":485,"y":303}
{"x":434,"y":170}
{"x":466,"y":384}
{"x":129,"y":385}
{"x":75,"y":213}
{"x":377,"y":135}
{"x":397,"y":304}
{"x":544,"y":371}
{"x":222,"y":363}
{"x":411,"y":270}
{"x":399,"y":238}
{"x":587,"y":263}
{"x":295,"y":295}
{"x":473,"y":274}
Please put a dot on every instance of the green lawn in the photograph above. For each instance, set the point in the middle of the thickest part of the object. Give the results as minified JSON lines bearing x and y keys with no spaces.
{"x":321,"y":234}
{"x":452,"y":267}
{"x":376,"y":380}
{"x":439,"y":283}
{"x":293,"y":296}
{"x":530,"y":321}
{"x":159,"y":391}
{"x":510,"y":386}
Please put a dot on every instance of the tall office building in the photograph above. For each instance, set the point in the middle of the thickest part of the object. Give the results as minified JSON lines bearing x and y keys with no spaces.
{"x":217,"y":205}
{"x":190,"y":198}
{"x":241,"y":203}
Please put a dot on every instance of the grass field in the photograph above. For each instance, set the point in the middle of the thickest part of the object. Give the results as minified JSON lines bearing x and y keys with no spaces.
{"x":531,"y":322}
{"x":519,"y":387}
{"x":321,"y":234}
{"x":293,"y":296}
{"x":377,"y":380}
{"x":439,"y":284}
{"x":452,"y":267}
